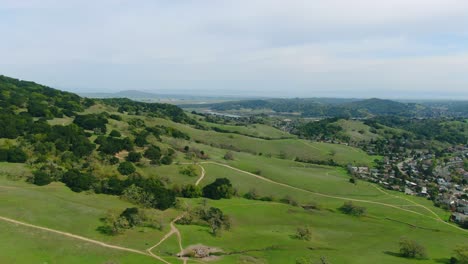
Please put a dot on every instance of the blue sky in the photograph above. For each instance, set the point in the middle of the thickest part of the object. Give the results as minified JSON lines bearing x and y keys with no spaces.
{"x":307,"y":48}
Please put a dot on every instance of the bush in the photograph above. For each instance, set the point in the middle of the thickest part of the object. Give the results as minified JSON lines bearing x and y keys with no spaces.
{"x":461,"y":254}
{"x":113,"y":160}
{"x":411,"y":249}
{"x":16,"y":155}
{"x":41,"y":178}
{"x":351,"y":209}
{"x":190,"y":170}
{"x":115,"y":133}
{"x":133,"y":156}
{"x":126,"y":168}
{"x":77,"y":181}
{"x":191,"y":191}
{"x":166,"y":160}
{"x":303,"y":233}
{"x":152,"y":153}
{"x":229,"y":155}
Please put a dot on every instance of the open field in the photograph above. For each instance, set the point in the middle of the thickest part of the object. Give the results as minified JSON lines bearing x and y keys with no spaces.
{"x":254,"y":130}
{"x":287,"y":148}
{"x":262,"y":232}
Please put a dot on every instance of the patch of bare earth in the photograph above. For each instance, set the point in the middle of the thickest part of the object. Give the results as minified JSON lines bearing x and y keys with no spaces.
{"x":202,"y":252}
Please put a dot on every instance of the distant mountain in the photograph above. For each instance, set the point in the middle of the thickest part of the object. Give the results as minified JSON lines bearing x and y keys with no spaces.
{"x":131,"y":94}
{"x":337,"y":107}
{"x":149,"y":96}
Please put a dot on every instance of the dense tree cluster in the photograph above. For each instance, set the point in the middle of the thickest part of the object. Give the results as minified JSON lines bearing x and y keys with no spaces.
{"x":428,"y":129}
{"x":38,"y":100}
{"x":152,"y":109}
{"x":14,"y":155}
{"x":129,"y":218}
{"x":323,"y":129}
{"x":219,"y":189}
{"x":113,"y":145}
{"x":95,"y":122}
{"x":212,"y":217}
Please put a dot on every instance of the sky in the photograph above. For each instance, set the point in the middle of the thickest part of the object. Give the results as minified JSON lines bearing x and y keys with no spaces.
{"x":289,"y":48}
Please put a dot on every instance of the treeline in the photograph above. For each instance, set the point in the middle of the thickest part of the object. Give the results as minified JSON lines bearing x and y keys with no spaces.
{"x":130,"y":107}
{"x":38,"y":100}
{"x":321,"y":107}
{"x":426,"y":129}
{"x":322,"y":129}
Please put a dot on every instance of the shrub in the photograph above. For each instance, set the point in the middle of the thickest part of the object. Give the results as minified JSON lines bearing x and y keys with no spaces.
{"x":41,"y":178}
{"x":115,"y":133}
{"x":229,"y":155}
{"x":191,"y":191}
{"x":134,"y":156}
{"x":152,"y":153}
{"x":351,"y":209}
{"x":411,"y":249}
{"x":303,"y":233}
{"x":78,"y":181}
{"x":461,"y":254}
{"x":17,"y":155}
{"x":190,"y":170}
{"x":126,"y":168}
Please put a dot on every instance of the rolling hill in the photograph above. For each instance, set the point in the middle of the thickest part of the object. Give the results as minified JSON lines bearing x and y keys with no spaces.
{"x":117,"y":181}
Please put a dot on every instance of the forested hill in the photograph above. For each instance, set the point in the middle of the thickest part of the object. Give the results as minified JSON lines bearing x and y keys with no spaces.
{"x":335,"y":107}
{"x":29,"y":99}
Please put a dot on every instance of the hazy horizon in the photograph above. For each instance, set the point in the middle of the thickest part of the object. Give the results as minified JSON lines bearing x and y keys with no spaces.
{"x":344,"y":49}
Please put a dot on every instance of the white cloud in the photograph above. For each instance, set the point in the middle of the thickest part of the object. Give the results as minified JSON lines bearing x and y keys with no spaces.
{"x":334,"y":45}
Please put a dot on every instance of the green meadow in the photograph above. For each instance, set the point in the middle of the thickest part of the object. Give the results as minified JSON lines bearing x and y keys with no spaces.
{"x":261,"y":232}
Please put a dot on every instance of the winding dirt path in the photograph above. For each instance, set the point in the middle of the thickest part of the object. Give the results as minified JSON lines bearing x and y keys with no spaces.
{"x":422,"y":206}
{"x":174,"y":229}
{"x":437,"y":218}
{"x":89,"y":240}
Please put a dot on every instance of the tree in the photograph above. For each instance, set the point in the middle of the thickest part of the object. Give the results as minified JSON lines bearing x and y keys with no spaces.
{"x":461,"y":254}
{"x":190,"y":170}
{"x":77,"y":181}
{"x":229,"y":155}
{"x":166,"y":160}
{"x":152,"y":153}
{"x":252,"y":194}
{"x":17,"y":155}
{"x":191,"y":191}
{"x":41,"y":178}
{"x":217,"y":220}
{"x":220,"y":188}
{"x":411,"y":249}
{"x":115,"y":133}
{"x":126,"y":168}
{"x":134,"y":156}
{"x":303,"y":233}
{"x":133,"y":216}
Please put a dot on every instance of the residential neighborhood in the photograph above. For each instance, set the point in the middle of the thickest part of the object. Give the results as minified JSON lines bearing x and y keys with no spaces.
{"x":444,"y":180}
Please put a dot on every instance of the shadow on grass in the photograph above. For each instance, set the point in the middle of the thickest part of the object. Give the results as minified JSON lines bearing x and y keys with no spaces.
{"x":444,"y":260}
{"x":106,"y":230}
{"x":397,"y":254}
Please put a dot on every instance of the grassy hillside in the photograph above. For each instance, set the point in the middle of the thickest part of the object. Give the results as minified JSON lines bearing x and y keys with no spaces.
{"x":93,"y":165}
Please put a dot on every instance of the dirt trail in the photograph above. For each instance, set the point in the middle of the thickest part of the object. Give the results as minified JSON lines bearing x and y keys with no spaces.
{"x":202,"y":176}
{"x":83,"y":238}
{"x":427,"y":208}
{"x":174,"y":229}
{"x":437,"y":218}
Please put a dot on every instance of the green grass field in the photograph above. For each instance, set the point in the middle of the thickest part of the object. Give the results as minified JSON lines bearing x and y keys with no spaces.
{"x":262,"y":232}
